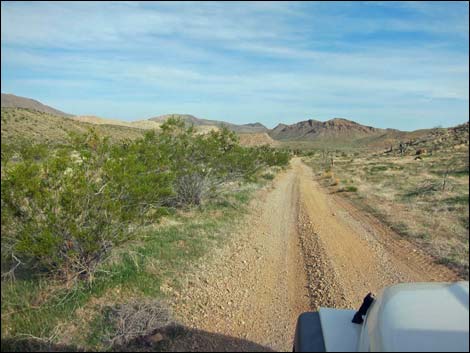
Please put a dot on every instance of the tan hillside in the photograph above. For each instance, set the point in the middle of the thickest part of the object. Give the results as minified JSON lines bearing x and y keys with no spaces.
{"x":141,"y":124}
{"x":205,"y":129}
{"x":257,"y":139}
{"x":18,"y":123}
{"x":12,"y":101}
{"x":145,"y":124}
{"x":192,"y":120}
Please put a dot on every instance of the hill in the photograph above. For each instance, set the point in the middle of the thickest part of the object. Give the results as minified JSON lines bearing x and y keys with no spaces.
{"x":335,"y":133}
{"x":257,"y":139}
{"x":192,"y":120}
{"x":431,"y":139}
{"x":140,"y":124}
{"x":12,"y":101}
{"x":344,"y":134}
{"x":332,"y":129}
{"x":33,"y":125}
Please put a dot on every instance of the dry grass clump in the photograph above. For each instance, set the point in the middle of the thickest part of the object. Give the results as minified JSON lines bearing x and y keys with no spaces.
{"x":327,"y":174}
{"x":135,"y":319}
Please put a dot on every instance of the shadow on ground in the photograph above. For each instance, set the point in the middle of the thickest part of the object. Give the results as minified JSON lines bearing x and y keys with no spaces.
{"x":171,"y":339}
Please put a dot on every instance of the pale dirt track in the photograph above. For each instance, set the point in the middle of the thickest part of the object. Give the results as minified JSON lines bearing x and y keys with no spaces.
{"x":300,"y":248}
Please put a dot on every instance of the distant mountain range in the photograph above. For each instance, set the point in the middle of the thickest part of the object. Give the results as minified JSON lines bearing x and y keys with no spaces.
{"x":12,"y":101}
{"x":334,"y":132}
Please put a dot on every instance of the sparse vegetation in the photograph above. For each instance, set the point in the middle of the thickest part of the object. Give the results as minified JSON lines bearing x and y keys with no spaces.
{"x":348,"y":188}
{"x":268,"y":176}
{"x":40,"y":127}
{"x":425,"y":200}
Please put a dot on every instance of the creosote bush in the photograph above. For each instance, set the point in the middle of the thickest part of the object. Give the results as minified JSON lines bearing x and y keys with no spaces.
{"x":64,"y":208}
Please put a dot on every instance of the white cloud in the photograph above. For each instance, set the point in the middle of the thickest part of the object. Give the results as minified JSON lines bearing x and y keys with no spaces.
{"x":276,"y":55}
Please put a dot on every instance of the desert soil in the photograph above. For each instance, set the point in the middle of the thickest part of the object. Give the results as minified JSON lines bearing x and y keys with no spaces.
{"x":300,"y":248}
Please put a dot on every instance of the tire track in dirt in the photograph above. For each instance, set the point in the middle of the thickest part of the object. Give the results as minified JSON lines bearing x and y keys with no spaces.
{"x":299,"y":249}
{"x":255,"y":288}
{"x":363,"y":257}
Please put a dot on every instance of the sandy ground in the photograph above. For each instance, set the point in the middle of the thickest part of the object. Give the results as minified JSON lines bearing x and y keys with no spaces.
{"x":300,"y":248}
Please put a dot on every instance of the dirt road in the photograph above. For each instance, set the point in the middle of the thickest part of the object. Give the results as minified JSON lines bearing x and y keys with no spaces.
{"x":300,"y":248}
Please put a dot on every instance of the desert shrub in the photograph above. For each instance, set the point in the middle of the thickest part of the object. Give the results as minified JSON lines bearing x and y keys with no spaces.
{"x":128,"y":321}
{"x":457,"y":200}
{"x":63,"y":213}
{"x":328,"y":174}
{"x":427,"y":187}
{"x":191,"y":188}
{"x":65,"y":207}
{"x":139,"y":177}
{"x":54,"y":215}
{"x":273,"y":157}
{"x":378,"y":168}
{"x":7,"y":153}
{"x":348,"y":188}
{"x":202,"y":163}
{"x":268,"y":176}
{"x":198,"y":162}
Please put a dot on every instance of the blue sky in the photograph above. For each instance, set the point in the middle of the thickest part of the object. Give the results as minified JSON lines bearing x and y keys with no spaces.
{"x":400,"y":64}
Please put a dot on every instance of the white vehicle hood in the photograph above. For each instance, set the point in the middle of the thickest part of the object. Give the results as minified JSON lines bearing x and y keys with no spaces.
{"x":339,"y":333}
{"x":430,"y":317}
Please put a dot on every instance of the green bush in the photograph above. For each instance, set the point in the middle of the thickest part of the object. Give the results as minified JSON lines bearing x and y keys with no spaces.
{"x":63,"y":212}
{"x":349,"y":188}
{"x":140,"y":179}
{"x":65,"y":208}
{"x":378,"y":168}
{"x":202,"y":163}
{"x":268,"y":176}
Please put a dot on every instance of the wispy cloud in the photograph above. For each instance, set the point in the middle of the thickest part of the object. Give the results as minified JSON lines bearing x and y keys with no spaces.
{"x":266,"y":61}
